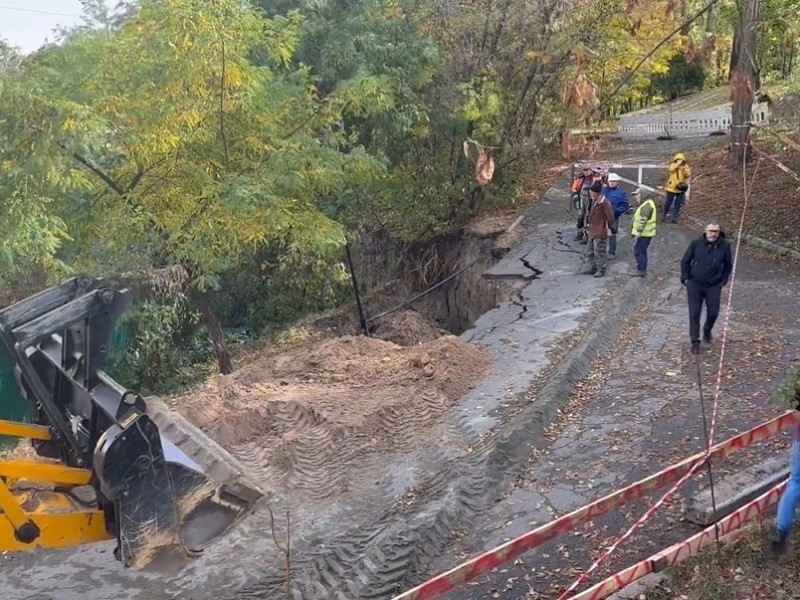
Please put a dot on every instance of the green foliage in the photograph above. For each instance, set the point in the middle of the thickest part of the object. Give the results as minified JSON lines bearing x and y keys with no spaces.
{"x":777,"y":36}
{"x":214,"y":170}
{"x":786,"y":393}
{"x":681,"y":79}
{"x":144,"y":353}
{"x":242,"y":140}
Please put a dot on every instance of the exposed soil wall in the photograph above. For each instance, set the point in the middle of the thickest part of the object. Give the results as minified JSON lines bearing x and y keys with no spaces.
{"x":432,"y":288}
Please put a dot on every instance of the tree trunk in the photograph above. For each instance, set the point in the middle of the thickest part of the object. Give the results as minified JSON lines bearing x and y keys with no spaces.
{"x":215,"y":332}
{"x":735,"y":50}
{"x":743,"y":84}
{"x":710,"y":20}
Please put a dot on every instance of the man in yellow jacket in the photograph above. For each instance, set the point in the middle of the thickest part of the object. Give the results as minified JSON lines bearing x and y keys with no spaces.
{"x":679,"y":175}
{"x":643,"y":230}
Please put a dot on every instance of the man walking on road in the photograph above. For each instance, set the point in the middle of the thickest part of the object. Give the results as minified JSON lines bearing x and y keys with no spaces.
{"x":705,"y":269}
{"x":618,"y":199}
{"x":600,"y":222}
{"x":643,"y":230}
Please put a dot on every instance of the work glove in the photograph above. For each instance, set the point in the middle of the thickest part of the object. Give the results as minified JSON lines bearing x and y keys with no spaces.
{"x":635,"y":238}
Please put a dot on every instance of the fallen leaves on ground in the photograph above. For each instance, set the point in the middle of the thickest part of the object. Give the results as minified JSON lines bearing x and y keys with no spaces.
{"x":743,"y":570}
{"x":718,"y":192}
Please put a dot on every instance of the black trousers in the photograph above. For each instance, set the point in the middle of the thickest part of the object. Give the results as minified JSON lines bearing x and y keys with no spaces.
{"x":697,"y":294}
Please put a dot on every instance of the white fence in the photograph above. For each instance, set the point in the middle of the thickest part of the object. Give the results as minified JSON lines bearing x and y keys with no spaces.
{"x":685,"y":124}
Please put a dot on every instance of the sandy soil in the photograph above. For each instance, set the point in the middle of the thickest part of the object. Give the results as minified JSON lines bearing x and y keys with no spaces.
{"x":301,"y":418}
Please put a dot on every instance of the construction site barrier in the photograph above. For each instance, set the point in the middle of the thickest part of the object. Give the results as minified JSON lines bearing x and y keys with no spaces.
{"x":446,"y":582}
{"x":681,"y":551}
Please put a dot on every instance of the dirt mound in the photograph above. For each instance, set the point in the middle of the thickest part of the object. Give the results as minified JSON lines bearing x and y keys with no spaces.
{"x":19,"y":450}
{"x":407,"y":328}
{"x":303,"y":419}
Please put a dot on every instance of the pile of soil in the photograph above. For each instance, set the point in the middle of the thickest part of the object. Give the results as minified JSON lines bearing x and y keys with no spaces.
{"x":302,"y":419}
{"x":718,"y":192}
{"x":407,"y":328}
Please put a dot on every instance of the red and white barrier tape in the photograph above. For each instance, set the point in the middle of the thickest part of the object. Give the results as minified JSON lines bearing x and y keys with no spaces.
{"x":718,"y":387}
{"x":689,"y":547}
{"x":505,"y":553}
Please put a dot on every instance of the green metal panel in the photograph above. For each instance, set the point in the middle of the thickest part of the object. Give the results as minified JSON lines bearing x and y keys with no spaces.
{"x":13,"y":406}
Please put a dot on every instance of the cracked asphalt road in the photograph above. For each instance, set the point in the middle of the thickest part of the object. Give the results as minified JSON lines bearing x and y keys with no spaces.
{"x":639,"y":411}
{"x":374,"y":547}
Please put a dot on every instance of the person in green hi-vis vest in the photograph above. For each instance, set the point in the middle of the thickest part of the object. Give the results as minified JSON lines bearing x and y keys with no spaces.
{"x":643,"y":230}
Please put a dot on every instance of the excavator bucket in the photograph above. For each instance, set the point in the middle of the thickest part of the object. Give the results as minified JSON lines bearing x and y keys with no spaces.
{"x":166,"y":489}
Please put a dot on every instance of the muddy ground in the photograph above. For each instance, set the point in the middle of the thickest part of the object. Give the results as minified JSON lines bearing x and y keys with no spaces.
{"x":384,"y":452}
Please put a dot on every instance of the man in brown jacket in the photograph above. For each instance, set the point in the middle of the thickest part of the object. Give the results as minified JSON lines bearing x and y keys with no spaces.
{"x":600,"y":221}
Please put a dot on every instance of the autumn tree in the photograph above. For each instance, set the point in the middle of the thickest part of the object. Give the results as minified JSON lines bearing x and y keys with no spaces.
{"x":170,"y":146}
{"x":743,"y":83}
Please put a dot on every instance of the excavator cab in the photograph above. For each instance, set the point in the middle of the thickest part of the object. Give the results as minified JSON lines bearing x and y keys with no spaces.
{"x":110,"y":464}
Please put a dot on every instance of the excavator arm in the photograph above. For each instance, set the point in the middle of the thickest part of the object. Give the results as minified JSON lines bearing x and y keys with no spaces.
{"x":39,"y":507}
{"x":106,"y":469}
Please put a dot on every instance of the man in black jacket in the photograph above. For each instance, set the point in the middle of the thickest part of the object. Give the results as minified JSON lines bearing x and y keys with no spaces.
{"x":705,"y":269}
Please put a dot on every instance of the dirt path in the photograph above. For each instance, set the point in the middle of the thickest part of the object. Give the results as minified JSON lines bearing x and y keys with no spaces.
{"x":638,"y":412}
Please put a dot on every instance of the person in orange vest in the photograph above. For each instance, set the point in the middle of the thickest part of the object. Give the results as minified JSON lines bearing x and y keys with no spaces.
{"x":579,"y":195}
{"x":581,"y":181}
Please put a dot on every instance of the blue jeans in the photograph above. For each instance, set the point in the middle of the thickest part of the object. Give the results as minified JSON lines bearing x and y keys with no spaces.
{"x":612,"y":239}
{"x":640,"y":252}
{"x":791,"y":496}
{"x":678,"y":200}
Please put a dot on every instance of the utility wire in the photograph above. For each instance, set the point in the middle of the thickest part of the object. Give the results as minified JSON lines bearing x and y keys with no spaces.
{"x":39,"y":12}
{"x":708,"y":451}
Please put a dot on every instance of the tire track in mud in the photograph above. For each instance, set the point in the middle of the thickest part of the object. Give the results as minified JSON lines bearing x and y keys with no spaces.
{"x":318,"y":459}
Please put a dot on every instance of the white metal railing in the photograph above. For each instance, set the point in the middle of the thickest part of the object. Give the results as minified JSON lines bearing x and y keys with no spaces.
{"x":685,"y":124}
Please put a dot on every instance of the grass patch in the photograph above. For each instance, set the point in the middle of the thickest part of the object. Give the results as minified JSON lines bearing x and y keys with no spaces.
{"x":743,"y":570}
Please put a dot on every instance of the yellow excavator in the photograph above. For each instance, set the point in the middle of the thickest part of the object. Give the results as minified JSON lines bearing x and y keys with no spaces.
{"x":109,"y":464}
